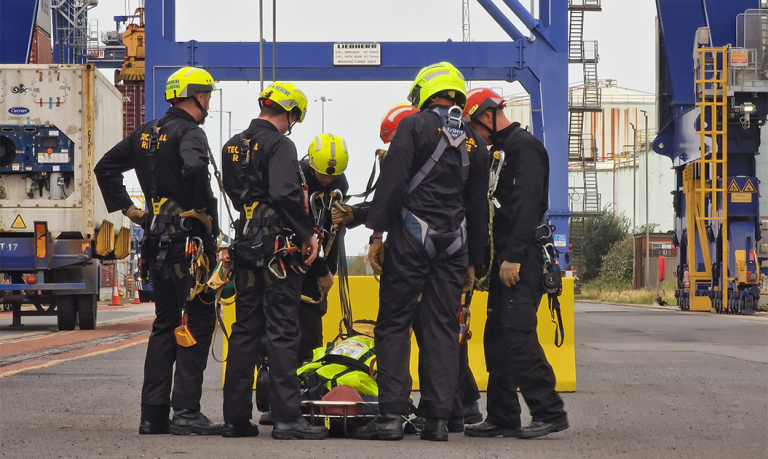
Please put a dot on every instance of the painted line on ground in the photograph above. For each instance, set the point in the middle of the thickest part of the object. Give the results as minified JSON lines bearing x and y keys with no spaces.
{"x":70,"y":356}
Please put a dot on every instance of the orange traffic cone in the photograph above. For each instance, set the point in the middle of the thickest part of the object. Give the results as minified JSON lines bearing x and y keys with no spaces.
{"x":115,"y":296}
{"x":136,"y":292}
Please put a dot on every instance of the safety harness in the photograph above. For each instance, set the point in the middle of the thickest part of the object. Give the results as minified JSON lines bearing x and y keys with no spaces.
{"x":165,"y":223}
{"x":453,"y":135}
{"x":258,"y":222}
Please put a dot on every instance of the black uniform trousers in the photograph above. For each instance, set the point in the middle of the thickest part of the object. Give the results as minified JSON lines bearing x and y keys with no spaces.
{"x":265,"y":306}
{"x":467,"y":391}
{"x":171,"y":285}
{"x":311,"y":320}
{"x":513,"y":355}
{"x":408,"y":273}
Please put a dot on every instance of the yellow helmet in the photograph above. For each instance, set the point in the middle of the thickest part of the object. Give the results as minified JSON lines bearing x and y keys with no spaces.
{"x":186,"y":82}
{"x":328,"y":154}
{"x":435,"y":79}
{"x":285,"y":95}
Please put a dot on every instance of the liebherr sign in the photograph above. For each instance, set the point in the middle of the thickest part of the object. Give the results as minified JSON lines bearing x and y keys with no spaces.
{"x":356,"y":54}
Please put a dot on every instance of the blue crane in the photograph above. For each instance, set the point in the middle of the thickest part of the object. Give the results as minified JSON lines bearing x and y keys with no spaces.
{"x":711,"y":109}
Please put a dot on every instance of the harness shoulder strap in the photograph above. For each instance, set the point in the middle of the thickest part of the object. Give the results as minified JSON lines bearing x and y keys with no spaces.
{"x":154,"y":137}
{"x":453,"y":134}
{"x":244,"y":145}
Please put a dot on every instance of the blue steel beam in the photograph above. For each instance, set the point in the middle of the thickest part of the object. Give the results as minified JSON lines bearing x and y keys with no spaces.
{"x":17,"y":25}
{"x":541,"y":66}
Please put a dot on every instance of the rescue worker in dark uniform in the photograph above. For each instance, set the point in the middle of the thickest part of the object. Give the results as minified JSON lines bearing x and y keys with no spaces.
{"x":513,"y":354}
{"x":431,"y":200}
{"x":273,"y":234}
{"x":466,"y":408}
{"x":327,"y":153}
{"x":171,"y":163}
{"x":323,"y":170}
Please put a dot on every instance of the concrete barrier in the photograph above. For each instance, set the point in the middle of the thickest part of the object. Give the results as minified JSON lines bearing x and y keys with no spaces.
{"x":364,"y":295}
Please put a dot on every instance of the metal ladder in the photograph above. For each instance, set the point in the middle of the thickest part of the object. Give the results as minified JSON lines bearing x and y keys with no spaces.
{"x":705,"y":182}
{"x":589,"y":202}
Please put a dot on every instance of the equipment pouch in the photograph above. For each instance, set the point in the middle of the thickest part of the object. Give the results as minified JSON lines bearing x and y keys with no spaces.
{"x":251,"y":252}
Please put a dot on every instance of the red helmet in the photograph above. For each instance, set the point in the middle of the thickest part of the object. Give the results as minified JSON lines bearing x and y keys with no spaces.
{"x":480,"y":100}
{"x":392,"y":119}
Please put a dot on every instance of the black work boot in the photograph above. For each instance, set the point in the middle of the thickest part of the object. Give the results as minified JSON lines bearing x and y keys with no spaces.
{"x":414,"y":426}
{"x":266,"y":419}
{"x":456,"y":424}
{"x":298,"y":429}
{"x":240,"y":429}
{"x":435,"y":429}
{"x":487,"y":429}
{"x":187,"y":422}
{"x":154,"y":427}
{"x":386,"y":426}
{"x":538,"y":428}
{"x":472,"y":413}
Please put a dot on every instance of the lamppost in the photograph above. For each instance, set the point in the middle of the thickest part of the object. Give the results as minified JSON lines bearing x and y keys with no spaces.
{"x":634,"y":203}
{"x":647,"y":222}
{"x":323,"y":100}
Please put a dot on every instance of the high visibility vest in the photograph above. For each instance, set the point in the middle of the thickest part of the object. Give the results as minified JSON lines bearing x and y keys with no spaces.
{"x":351,"y":362}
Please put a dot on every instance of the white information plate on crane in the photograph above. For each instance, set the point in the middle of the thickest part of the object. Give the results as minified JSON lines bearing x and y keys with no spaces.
{"x":357,"y":54}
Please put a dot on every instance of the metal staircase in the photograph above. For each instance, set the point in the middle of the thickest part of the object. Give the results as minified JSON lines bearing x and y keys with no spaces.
{"x":585,"y":200}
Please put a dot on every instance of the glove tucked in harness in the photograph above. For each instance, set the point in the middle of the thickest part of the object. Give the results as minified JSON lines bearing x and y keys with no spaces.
{"x":453,"y":136}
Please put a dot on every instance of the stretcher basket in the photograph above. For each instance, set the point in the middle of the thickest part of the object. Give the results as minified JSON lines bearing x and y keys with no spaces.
{"x":316,"y":418}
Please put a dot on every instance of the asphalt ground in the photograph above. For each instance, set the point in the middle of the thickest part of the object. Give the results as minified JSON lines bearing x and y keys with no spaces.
{"x":652,"y":383}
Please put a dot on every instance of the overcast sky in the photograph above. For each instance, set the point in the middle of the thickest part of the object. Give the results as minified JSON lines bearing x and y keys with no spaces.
{"x":624,"y":29}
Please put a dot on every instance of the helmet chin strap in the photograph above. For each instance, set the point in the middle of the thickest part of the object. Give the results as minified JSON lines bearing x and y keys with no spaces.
{"x":200,"y":106}
{"x":290,"y":125}
{"x":490,"y":131}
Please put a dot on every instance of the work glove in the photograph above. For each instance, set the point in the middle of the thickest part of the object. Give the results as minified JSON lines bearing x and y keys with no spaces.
{"x":204,"y":218}
{"x":326,"y":282}
{"x":469,"y":279}
{"x":342,"y":218}
{"x":509,"y":273}
{"x":135,"y":215}
{"x":376,"y":256}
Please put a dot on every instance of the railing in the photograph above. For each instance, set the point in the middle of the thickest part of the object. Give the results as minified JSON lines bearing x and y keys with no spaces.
{"x":584,"y":4}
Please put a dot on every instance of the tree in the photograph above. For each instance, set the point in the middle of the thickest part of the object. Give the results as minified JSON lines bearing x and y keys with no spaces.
{"x":616,"y":269}
{"x":599,"y":235}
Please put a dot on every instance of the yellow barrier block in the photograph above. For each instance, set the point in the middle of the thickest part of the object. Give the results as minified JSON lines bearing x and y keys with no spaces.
{"x":364,"y":295}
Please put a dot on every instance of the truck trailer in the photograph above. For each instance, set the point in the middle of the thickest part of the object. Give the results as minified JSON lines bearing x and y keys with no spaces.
{"x":57,"y":122}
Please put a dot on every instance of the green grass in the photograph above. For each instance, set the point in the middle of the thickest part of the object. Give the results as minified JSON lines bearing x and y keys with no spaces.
{"x":599,"y":291}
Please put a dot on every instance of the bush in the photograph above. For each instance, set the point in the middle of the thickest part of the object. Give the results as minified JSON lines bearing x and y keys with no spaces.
{"x":616,"y":268}
{"x":599,"y":235}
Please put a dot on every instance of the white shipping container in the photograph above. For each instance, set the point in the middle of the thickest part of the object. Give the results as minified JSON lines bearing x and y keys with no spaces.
{"x":56,"y":122}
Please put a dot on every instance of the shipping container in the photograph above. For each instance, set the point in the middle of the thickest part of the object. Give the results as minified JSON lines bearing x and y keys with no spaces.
{"x":133,"y":106}
{"x":41,"y":52}
{"x":56,"y":123}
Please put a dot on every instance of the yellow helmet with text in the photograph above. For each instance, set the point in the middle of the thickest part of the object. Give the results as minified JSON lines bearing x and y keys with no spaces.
{"x":185,"y":82}
{"x":328,"y":154}
{"x":286,"y":96}
{"x":438,"y":80}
